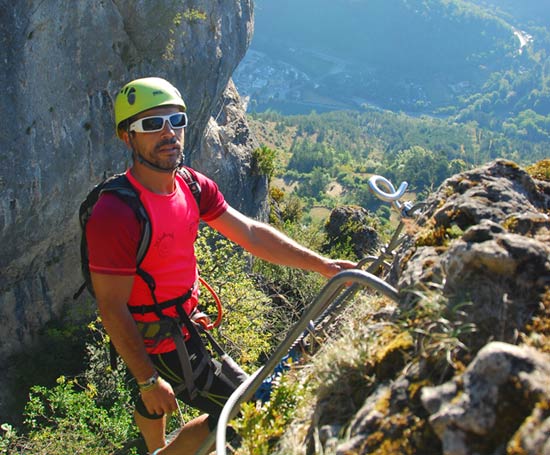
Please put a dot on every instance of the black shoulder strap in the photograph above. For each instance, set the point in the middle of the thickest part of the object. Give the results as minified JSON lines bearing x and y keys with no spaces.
{"x":120,"y":186}
{"x":191,"y":180}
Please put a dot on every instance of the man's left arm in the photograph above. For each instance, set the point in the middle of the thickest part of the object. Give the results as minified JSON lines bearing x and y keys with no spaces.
{"x":266,"y":242}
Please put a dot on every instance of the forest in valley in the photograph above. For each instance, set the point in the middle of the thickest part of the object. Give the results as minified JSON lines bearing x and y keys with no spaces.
{"x":326,"y":159}
{"x":413,"y":90}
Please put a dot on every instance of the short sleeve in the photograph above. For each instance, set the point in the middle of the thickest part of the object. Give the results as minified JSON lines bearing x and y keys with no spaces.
{"x":112,"y":235}
{"x":212,"y":201}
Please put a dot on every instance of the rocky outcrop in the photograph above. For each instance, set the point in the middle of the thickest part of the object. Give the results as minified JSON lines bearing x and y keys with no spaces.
{"x":352,"y":224}
{"x":504,"y":392}
{"x":481,"y":244}
{"x":484,"y":238}
{"x":225,"y":151}
{"x":460,"y":364}
{"x":62,"y":64}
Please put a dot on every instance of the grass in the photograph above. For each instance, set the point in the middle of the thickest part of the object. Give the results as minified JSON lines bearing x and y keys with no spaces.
{"x":375,"y":344}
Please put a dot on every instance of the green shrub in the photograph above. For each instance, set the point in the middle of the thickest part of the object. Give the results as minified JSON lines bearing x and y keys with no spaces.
{"x":262,"y":427}
{"x":90,"y":413}
{"x":246,"y":331}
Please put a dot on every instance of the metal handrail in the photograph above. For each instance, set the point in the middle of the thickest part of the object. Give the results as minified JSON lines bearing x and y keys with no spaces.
{"x":329,"y":299}
{"x":407,"y":209}
{"x":246,"y":390}
{"x":388,"y":193}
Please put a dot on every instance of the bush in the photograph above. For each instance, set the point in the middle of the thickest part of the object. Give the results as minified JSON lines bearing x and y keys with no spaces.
{"x":90,"y":413}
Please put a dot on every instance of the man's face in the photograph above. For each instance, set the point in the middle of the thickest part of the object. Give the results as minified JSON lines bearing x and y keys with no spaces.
{"x":162,"y":148}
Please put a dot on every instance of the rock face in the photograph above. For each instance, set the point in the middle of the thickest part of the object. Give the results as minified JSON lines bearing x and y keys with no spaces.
{"x":495,"y":396}
{"x":225,"y":151}
{"x":484,"y":237}
{"x":460,"y":365}
{"x":61,"y":68}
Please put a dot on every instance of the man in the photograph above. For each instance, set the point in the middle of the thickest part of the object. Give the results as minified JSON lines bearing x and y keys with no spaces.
{"x":150,"y":118}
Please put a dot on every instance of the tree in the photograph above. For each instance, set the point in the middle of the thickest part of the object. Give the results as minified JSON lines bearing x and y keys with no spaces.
{"x":307,"y":155}
{"x":315,"y":184}
{"x":263,"y":159}
{"x":420,"y":167}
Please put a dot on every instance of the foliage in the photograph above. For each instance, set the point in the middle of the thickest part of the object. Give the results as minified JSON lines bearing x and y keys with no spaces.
{"x":441,"y":327}
{"x":540,"y":170}
{"x":290,"y":289}
{"x":247,"y":329}
{"x":263,"y":159}
{"x":90,"y":413}
{"x":307,"y":156}
{"x":261,"y":427}
{"x":194,"y":15}
{"x":314,"y":184}
{"x":284,"y":208}
{"x":420,"y":167}
{"x":422,"y":151}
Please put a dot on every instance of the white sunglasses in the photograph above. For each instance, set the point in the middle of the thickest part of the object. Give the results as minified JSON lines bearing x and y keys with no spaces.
{"x":156,"y":123}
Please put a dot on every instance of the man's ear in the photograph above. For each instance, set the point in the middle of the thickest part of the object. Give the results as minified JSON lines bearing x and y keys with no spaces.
{"x":125,"y":136}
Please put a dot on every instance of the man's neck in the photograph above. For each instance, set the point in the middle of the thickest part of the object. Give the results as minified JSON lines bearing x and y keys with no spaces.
{"x":157,"y":182}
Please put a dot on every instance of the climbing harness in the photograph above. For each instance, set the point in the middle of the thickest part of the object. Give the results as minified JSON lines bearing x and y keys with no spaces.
{"x":196,"y":325}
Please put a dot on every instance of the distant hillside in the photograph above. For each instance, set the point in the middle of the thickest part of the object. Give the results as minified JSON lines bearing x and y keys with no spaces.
{"x":416,"y":37}
{"x":401,"y":55}
{"x":524,"y":12}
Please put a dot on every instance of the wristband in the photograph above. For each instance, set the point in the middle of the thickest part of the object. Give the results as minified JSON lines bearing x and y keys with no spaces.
{"x":149,"y":383}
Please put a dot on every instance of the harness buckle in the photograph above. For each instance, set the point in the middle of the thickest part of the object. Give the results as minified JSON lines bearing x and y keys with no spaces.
{"x":198,"y":317}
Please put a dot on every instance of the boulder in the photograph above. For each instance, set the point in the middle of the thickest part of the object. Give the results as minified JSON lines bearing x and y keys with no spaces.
{"x":352,"y":224}
{"x":498,"y":404}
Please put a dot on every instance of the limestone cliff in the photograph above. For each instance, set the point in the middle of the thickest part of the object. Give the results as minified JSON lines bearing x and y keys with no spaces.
{"x":62,"y":63}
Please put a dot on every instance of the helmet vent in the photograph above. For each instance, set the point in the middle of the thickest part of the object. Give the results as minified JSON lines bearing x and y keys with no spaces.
{"x":131,"y":96}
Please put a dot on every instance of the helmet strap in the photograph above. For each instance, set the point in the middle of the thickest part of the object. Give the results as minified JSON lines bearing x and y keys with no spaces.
{"x":153,"y":166}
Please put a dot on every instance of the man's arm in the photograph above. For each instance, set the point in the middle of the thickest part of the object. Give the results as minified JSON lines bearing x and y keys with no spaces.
{"x":112,"y":292}
{"x":266,"y":242}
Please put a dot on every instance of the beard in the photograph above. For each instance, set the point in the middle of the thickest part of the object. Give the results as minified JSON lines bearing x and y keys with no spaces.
{"x":162,"y":161}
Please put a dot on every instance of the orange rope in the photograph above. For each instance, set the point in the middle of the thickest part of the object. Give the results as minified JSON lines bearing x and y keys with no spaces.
{"x":218,"y":304}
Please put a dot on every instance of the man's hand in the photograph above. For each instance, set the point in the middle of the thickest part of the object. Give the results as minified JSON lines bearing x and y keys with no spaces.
{"x":335,"y":266}
{"x":160,"y":399}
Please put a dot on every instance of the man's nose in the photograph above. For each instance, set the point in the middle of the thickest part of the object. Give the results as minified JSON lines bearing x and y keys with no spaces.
{"x":167,"y":129}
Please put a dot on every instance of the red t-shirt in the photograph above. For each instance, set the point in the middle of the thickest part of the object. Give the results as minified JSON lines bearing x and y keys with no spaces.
{"x":113,"y":234}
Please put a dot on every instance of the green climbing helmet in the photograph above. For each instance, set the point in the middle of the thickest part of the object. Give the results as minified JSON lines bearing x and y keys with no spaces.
{"x":143,"y":94}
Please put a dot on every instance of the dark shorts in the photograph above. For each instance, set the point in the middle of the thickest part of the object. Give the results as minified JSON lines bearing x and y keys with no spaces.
{"x":210,"y":402}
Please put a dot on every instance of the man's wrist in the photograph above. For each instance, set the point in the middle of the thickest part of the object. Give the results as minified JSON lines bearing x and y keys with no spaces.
{"x":149,"y":383}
